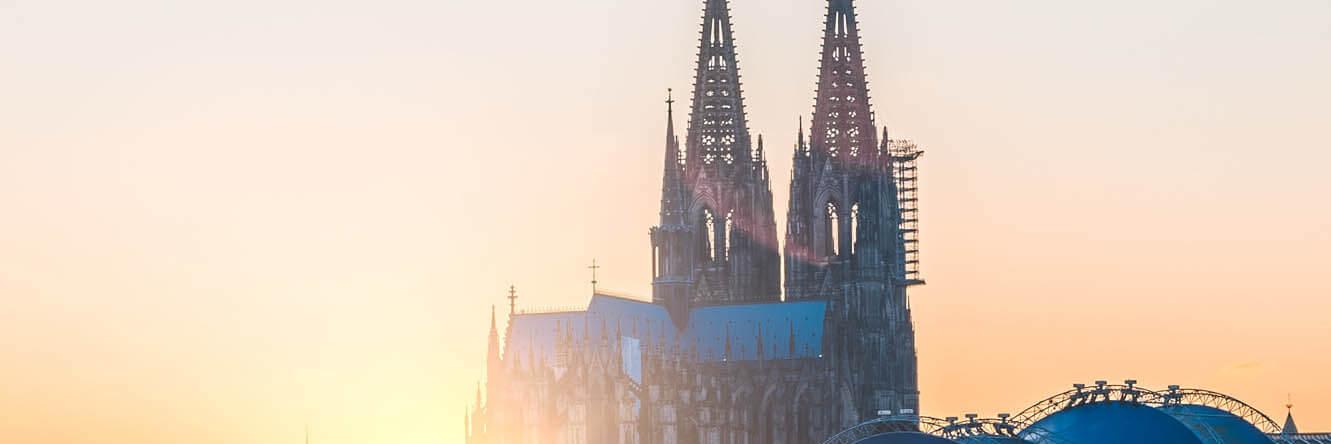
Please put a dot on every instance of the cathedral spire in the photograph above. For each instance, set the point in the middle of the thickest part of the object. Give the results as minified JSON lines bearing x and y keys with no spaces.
{"x":843,"y":124}
{"x":493,"y":363}
{"x":800,"y":147}
{"x":493,"y":351}
{"x":760,"y":154}
{"x":718,"y":129}
{"x":672,"y":191}
{"x":716,"y":243}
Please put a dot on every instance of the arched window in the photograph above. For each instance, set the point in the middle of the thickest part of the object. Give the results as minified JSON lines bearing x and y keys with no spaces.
{"x":832,"y":246}
{"x":728,"y":233}
{"x":707,"y":229}
{"x":854,"y":226}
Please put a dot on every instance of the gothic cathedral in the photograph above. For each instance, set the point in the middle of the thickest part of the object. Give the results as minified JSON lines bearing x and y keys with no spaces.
{"x":719,"y":356}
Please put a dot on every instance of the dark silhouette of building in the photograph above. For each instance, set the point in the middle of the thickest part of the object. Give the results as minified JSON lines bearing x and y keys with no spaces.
{"x":718,"y":356}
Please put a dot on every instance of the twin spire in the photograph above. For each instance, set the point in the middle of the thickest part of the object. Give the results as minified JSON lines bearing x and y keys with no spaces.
{"x":717,"y":240}
{"x":843,"y":125}
{"x":718,"y":129}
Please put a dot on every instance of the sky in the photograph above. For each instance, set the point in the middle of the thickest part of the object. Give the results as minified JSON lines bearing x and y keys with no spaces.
{"x":223,"y":222}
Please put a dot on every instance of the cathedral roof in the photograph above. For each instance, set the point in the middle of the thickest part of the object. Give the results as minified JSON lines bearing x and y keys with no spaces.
{"x":790,"y":330}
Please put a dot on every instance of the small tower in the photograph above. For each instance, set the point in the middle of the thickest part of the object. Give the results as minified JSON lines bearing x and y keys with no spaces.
{"x":1289,"y":428}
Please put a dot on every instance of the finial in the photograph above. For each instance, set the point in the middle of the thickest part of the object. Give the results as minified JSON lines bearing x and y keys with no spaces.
{"x":1289,"y":402}
{"x":593,"y":268}
{"x":799,"y":143}
{"x":670,"y":98}
{"x":512,"y":300}
{"x":761,"y":152}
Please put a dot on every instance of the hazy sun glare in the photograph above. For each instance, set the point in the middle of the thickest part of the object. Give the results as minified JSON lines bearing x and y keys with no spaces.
{"x":221,"y":222}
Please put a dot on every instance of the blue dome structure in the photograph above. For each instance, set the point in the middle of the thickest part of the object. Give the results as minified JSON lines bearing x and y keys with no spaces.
{"x":1111,"y":422}
{"x":1215,"y":426}
{"x":1102,"y":413}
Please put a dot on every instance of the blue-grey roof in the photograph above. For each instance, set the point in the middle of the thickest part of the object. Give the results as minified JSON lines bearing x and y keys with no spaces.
{"x":1301,"y":438}
{"x":782,"y":324}
{"x":1111,"y":423}
{"x":778,"y":323}
{"x":1215,"y":426}
{"x":1290,"y":428}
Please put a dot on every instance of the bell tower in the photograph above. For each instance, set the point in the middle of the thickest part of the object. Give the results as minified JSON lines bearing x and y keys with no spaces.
{"x":716,"y":243}
{"x":844,"y":242}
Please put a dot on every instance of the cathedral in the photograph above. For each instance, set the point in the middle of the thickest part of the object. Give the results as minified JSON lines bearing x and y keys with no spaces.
{"x":725,"y":352}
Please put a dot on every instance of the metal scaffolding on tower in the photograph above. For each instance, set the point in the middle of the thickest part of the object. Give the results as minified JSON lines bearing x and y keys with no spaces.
{"x":905,"y":154}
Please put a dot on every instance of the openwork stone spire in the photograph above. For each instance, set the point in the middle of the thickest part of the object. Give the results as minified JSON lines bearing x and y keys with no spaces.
{"x":718,"y":131}
{"x":718,"y":244}
{"x":843,"y":124}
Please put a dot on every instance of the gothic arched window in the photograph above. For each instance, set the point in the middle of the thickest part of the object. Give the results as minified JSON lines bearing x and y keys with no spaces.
{"x":832,"y":231}
{"x":707,"y":229}
{"x":729,"y":233}
{"x":854,"y":226}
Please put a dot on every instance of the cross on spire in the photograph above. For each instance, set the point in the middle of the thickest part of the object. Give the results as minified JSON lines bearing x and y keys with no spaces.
{"x":593,"y":267}
{"x":512,"y":300}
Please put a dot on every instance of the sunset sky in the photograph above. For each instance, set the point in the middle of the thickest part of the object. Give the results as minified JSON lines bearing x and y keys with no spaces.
{"x":223,"y":221}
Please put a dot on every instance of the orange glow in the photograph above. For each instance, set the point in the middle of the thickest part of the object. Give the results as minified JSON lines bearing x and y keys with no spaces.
{"x":222,"y":222}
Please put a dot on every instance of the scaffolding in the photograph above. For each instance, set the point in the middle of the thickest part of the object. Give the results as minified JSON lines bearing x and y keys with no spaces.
{"x":904,"y":156}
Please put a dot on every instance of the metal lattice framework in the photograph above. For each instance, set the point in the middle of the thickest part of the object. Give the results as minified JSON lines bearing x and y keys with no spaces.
{"x":978,"y":427}
{"x":905,"y":155}
{"x":1103,"y":392}
{"x":1003,"y":428}
{"x":1082,"y":395}
{"x":1186,"y":396}
{"x":886,"y":424}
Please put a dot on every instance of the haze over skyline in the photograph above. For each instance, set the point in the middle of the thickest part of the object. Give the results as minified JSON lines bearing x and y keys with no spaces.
{"x":222,"y":222}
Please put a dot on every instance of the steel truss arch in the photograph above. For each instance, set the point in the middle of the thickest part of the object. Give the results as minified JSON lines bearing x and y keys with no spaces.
{"x":954,"y":429}
{"x":1187,"y":396}
{"x":1131,"y":393}
{"x":1083,"y":395}
{"x":886,"y":424}
{"x":992,"y":429}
